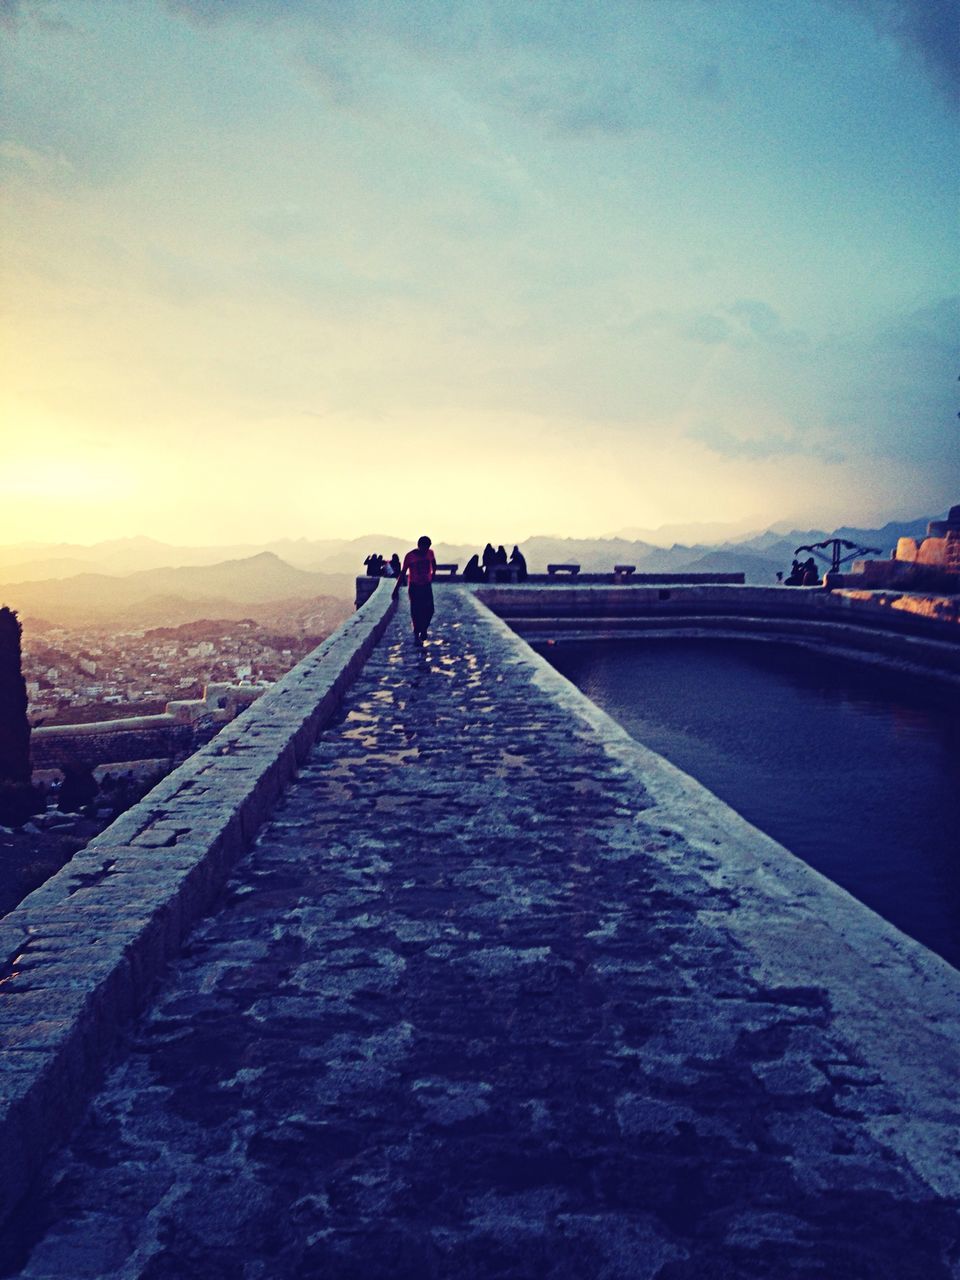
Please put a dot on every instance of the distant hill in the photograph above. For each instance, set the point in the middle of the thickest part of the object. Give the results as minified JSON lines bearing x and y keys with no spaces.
{"x":348,"y":556}
{"x":156,"y":596}
{"x":779,"y":549}
{"x":756,"y":569}
{"x":259,"y":577}
{"x":886,"y":537}
{"x":136,"y":579}
{"x":37,"y":570}
{"x":758,"y":556}
{"x":594,"y":555}
{"x":61,"y":559}
{"x":692,"y":533}
{"x":600,"y":555}
{"x":33,"y":562}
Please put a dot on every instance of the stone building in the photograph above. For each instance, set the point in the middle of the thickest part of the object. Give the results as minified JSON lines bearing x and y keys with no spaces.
{"x":940,"y":549}
{"x":917,"y":564}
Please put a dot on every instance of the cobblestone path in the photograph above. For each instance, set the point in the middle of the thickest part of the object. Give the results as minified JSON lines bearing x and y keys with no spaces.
{"x":464,"y":1013}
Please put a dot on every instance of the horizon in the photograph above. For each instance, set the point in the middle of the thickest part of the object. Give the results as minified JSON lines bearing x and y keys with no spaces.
{"x":144,"y":581}
{"x":590,"y":266}
{"x":743,"y":532}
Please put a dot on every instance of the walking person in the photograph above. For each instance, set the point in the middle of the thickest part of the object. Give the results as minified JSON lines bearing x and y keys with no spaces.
{"x":419,"y":566}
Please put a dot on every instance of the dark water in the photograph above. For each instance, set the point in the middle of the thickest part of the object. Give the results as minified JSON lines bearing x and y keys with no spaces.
{"x":856,"y":772}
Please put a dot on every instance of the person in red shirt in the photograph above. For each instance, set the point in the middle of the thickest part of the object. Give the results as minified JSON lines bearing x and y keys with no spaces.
{"x":418,"y":568}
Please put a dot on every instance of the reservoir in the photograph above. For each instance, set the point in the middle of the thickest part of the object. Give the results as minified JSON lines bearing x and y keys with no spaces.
{"x":853,"y":769}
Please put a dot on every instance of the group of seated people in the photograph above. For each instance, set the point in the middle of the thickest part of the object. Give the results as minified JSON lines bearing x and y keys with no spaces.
{"x":803,"y":575}
{"x":377,"y":567}
{"x":479,"y":568}
{"x":482,"y":567}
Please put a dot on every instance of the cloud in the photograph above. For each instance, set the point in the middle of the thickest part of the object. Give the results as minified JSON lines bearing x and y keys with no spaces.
{"x":926,"y":29}
{"x":724,"y":442}
{"x":745,"y":322}
{"x":706,"y":82}
{"x":283,"y":221}
{"x":15,"y":13}
{"x":64,"y":156}
{"x":571,"y":67}
{"x":890,"y":392}
{"x":882,"y":396}
{"x":576,"y":104}
{"x":421,"y":25}
{"x":333,"y":13}
{"x":928,"y":331}
{"x":44,"y":164}
{"x":339,"y":80}
{"x":708,"y":328}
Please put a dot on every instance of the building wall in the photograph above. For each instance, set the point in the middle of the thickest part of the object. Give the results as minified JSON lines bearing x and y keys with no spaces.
{"x":50,"y":749}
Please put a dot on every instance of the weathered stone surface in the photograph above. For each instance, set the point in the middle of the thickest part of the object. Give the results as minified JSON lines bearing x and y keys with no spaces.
{"x":81,"y":954}
{"x":500,"y":993}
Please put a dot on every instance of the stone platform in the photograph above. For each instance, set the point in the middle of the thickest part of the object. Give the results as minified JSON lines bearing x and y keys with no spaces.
{"x":499,"y":993}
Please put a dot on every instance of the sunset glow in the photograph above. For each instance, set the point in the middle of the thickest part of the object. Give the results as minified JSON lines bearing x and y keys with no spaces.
{"x":282,"y":269}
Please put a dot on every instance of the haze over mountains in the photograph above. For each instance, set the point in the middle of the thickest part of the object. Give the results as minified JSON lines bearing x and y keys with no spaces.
{"x":139,"y":581}
{"x":262,"y":583}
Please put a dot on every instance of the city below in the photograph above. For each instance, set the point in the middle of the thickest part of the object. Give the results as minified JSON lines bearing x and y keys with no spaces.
{"x":76,"y":676}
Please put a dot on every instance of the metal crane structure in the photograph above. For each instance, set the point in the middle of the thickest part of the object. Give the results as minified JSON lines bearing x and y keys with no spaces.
{"x":831,"y":549}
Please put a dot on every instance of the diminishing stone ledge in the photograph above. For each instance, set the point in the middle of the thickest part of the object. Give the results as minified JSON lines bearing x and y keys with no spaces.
{"x":80,"y":955}
{"x":891,"y":996}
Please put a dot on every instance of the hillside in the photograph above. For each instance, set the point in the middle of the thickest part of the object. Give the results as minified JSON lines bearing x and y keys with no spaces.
{"x":155,"y":596}
{"x":758,"y":570}
{"x":119,"y":557}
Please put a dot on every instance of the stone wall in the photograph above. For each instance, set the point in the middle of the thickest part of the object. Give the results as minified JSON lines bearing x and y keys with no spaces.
{"x":51,"y":750}
{"x":747,"y":603}
{"x":859,"y":625}
{"x":81,"y":954}
{"x":176,"y":732}
{"x":366,"y":586}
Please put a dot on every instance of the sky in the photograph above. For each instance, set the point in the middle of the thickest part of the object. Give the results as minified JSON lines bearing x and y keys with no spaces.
{"x":487,"y":268}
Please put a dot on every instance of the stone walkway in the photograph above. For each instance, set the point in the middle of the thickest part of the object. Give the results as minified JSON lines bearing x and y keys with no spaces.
{"x":465,"y":1013}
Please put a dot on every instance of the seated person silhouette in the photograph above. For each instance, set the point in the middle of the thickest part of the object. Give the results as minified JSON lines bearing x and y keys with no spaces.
{"x":472,"y":570}
{"x":795,"y":578}
{"x":518,"y":560}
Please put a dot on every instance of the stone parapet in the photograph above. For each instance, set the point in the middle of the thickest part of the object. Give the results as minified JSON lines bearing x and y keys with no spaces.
{"x":863,"y":626}
{"x":92,"y":728}
{"x":366,"y":586}
{"x":102,"y":744}
{"x":940,"y":608}
{"x":80,"y":955}
{"x":173,"y":732}
{"x":707,"y":600}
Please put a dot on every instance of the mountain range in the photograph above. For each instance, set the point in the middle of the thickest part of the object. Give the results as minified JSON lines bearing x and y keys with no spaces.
{"x":152,"y":597}
{"x":140,"y":581}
